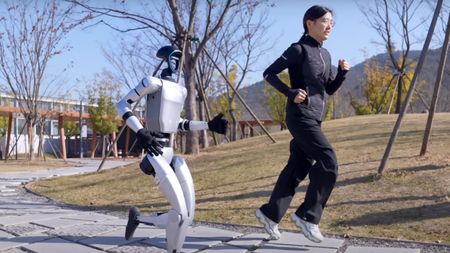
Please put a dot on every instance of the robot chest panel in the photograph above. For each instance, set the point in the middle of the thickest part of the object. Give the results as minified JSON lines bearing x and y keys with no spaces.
{"x":164,"y":108}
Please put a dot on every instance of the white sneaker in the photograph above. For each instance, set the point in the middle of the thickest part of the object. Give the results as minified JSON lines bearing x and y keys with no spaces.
{"x":270,"y":226}
{"x":310,"y":230}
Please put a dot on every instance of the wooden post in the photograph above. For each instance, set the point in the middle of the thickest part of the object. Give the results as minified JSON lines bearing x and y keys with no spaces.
{"x":62,"y":137}
{"x":94,"y":143}
{"x":242,"y":131}
{"x":8,"y":136}
{"x":127,"y":142}
{"x":76,"y":150}
{"x":114,"y":136}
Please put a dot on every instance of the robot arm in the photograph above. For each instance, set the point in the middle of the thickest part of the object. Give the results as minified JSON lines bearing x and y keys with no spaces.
{"x":148,"y":85}
{"x":217,"y":124}
{"x":187,"y":125}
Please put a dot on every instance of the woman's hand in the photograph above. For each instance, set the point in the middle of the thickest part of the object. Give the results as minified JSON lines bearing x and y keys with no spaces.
{"x":343,"y":64}
{"x":300,"y":97}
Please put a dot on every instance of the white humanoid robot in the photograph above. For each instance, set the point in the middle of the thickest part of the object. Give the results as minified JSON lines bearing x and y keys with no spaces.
{"x":165,"y":99}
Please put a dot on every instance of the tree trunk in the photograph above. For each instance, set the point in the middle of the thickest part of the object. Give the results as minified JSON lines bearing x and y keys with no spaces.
{"x":31,"y":143}
{"x":192,"y":137}
{"x":437,"y":85}
{"x":398,"y":105}
{"x":204,"y":142}
{"x":41,"y":151}
{"x":103,"y":145}
{"x":234,"y":127}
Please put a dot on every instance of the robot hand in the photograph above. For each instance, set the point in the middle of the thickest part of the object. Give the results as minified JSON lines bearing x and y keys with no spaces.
{"x":147,"y":140}
{"x":218,"y":125}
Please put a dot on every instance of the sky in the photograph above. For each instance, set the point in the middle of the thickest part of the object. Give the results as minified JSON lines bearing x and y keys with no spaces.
{"x":352,"y":39}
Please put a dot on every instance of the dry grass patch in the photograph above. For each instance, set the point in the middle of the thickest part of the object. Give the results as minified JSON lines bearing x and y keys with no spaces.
{"x":23,"y":164}
{"x":410,"y":201}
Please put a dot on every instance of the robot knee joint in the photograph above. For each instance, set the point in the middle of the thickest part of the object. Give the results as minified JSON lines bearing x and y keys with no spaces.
{"x":178,"y":161}
{"x":177,"y":217}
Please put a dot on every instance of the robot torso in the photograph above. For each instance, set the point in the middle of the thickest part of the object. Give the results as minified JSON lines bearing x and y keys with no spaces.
{"x":163,"y":107}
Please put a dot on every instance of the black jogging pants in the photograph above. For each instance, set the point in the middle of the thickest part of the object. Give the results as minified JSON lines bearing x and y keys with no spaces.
{"x":310,"y":153}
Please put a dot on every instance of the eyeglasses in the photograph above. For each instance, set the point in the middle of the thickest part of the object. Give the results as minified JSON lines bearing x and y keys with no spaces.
{"x":327,"y":21}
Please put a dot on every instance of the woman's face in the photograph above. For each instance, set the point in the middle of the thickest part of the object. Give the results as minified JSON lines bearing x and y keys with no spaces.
{"x":321,"y":28}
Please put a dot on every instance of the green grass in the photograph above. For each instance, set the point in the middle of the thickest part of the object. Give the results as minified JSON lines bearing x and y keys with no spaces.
{"x":410,"y":201}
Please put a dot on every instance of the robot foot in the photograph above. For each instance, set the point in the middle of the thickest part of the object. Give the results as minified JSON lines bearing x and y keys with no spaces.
{"x":133,"y":222}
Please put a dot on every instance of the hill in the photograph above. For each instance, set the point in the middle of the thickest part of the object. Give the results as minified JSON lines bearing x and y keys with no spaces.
{"x":410,"y":201}
{"x":427,"y":79}
{"x":254,"y":95}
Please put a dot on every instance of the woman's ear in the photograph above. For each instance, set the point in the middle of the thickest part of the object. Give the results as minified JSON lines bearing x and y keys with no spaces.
{"x":309,"y":23}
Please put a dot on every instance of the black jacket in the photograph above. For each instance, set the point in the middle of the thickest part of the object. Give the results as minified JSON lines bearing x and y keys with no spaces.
{"x":309,"y":67}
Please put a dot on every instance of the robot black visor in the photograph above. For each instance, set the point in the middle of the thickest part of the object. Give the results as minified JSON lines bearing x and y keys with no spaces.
{"x":171,"y":55}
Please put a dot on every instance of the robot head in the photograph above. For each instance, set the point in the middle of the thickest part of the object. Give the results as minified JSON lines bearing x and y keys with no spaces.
{"x":171,"y":55}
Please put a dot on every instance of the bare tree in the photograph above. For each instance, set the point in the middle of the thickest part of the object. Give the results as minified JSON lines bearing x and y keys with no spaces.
{"x":393,"y":19}
{"x":132,"y":60}
{"x":240,"y":44}
{"x":102,"y":92}
{"x":423,"y":53}
{"x":30,"y":36}
{"x":185,"y":23}
{"x":204,"y":76}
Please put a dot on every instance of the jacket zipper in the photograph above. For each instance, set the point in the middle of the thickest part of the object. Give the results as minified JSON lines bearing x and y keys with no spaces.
{"x":323,"y":74}
{"x":323,"y":62}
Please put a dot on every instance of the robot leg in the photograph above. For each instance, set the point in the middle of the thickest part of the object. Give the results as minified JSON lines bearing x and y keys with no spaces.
{"x":168,"y":183}
{"x":184,"y":177}
{"x":187,"y":184}
{"x":134,"y":216}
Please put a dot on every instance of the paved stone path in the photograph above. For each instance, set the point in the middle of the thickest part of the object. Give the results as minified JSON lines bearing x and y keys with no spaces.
{"x":33,"y":224}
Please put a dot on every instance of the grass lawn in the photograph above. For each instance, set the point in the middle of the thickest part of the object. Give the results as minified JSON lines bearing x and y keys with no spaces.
{"x":410,"y":201}
{"x":23,"y":164}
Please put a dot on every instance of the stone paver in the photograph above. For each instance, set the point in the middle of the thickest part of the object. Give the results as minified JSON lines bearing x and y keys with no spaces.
{"x":137,"y":248}
{"x":91,"y":216}
{"x":9,"y":243}
{"x":353,"y":249}
{"x":224,"y":249}
{"x":211,"y":233}
{"x":275,"y":248}
{"x":79,"y":232}
{"x":57,"y":223}
{"x":23,"y":219}
{"x":32,"y":224}
{"x":191,"y":244}
{"x":249,"y":241}
{"x":25,"y":229}
{"x":288,"y":238}
{"x":116,"y":238}
{"x":59,"y":245}
{"x":294,"y":242}
{"x":4,"y":234}
{"x":14,"y":250}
